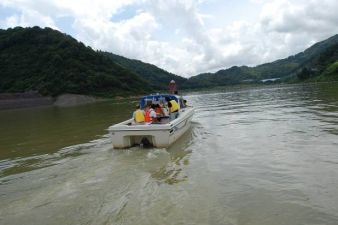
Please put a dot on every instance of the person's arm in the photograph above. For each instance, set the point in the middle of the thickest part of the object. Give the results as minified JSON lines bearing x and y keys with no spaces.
{"x":153,"y":114}
{"x":162,"y":111}
{"x":165,"y":112}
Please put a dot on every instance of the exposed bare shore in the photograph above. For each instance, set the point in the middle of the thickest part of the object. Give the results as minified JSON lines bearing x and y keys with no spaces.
{"x":73,"y":99}
{"x":34,"y":99}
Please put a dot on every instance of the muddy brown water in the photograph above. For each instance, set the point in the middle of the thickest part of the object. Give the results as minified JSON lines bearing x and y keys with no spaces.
{"x":260,"y":156}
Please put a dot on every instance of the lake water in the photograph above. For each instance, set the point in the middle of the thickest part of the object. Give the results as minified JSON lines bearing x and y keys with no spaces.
{"x":263,"y":156}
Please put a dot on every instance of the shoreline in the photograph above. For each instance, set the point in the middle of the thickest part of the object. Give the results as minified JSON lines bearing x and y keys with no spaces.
{"x":34,"y":99}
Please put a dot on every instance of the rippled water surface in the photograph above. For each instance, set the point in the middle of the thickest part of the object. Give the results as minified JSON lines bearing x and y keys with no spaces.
{"x":260,"y":156}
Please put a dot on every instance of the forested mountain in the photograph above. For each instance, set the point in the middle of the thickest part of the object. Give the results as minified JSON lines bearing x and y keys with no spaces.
{"x":45,"y":60}
{"x":319,"y":61}
{"x":324,"y":67}
{"x":231,"y":76}
{"x":157,"y":77}
{"x":52,"y":63}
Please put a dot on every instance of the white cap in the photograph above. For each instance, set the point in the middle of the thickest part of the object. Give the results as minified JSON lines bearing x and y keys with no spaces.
{"x":172,"y":81}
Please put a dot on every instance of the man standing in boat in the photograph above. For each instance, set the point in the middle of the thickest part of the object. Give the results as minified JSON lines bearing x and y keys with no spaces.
{"x":172,"y":87}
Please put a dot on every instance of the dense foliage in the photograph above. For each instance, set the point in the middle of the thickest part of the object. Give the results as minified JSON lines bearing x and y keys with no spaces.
{"x":317,"y":62}
{"x":157,"y":77}
{"x":326,"y":66}
{"x":52,"y":63}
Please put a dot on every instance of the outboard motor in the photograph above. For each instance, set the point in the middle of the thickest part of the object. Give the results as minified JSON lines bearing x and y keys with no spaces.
{"x":145,"y":143}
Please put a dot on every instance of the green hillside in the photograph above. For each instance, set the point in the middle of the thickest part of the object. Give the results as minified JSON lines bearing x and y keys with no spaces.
{"x":308,"y":64}
{"x":52,"y":63}
{"x":157,"y":77}
{"x":231,"y":76}
{"x":329,"y":73}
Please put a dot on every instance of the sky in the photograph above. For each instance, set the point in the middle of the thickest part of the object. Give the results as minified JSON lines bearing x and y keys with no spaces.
{"x":185,"y":37}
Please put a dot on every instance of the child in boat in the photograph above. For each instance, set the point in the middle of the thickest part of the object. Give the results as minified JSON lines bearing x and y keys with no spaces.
{"x":149,"y":114}
{"x":164,"y":108}
{"x":158,"y":110}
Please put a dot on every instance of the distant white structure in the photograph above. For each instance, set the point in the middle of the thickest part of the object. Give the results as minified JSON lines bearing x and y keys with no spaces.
{"x":248,"y":80}
{"x":270,"y":80}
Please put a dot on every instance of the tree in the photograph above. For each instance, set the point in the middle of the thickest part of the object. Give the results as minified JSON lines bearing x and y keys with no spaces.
{"x":304,"y":74}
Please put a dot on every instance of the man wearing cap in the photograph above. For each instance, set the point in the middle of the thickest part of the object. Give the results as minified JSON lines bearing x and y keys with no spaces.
{"x":172,"y":87}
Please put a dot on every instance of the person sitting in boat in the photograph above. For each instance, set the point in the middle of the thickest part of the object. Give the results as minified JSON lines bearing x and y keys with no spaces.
{"x":174,"y":107}
{"x":149,"y":114}
{"x":158,"y":110}
{"x":164,"y":108}
{"x":161,"y":112}
{"x":138,"y":115}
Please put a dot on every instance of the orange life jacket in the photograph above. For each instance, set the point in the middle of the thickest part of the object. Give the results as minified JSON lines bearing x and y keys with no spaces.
{"x":158,"y":110}
{"x":147,"y":117}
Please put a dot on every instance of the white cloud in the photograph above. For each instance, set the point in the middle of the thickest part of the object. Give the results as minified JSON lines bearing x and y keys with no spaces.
{"x":173,"y":34}
{"x":28,"y":18}
{"x":130,"y":37}
{"x":306,"y":16}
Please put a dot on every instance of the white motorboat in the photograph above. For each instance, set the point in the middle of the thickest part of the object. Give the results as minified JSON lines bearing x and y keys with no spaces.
{"x":161,"y":135}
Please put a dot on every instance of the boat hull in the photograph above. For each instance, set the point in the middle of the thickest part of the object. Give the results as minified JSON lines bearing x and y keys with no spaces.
{"x":125,"y":134}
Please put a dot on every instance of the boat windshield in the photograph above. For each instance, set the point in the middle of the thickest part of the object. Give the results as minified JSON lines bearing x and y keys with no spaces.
{"x":157,"y":99}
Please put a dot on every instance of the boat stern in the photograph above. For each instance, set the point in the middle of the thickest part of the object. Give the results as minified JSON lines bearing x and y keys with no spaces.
{"x":147,"y":135}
